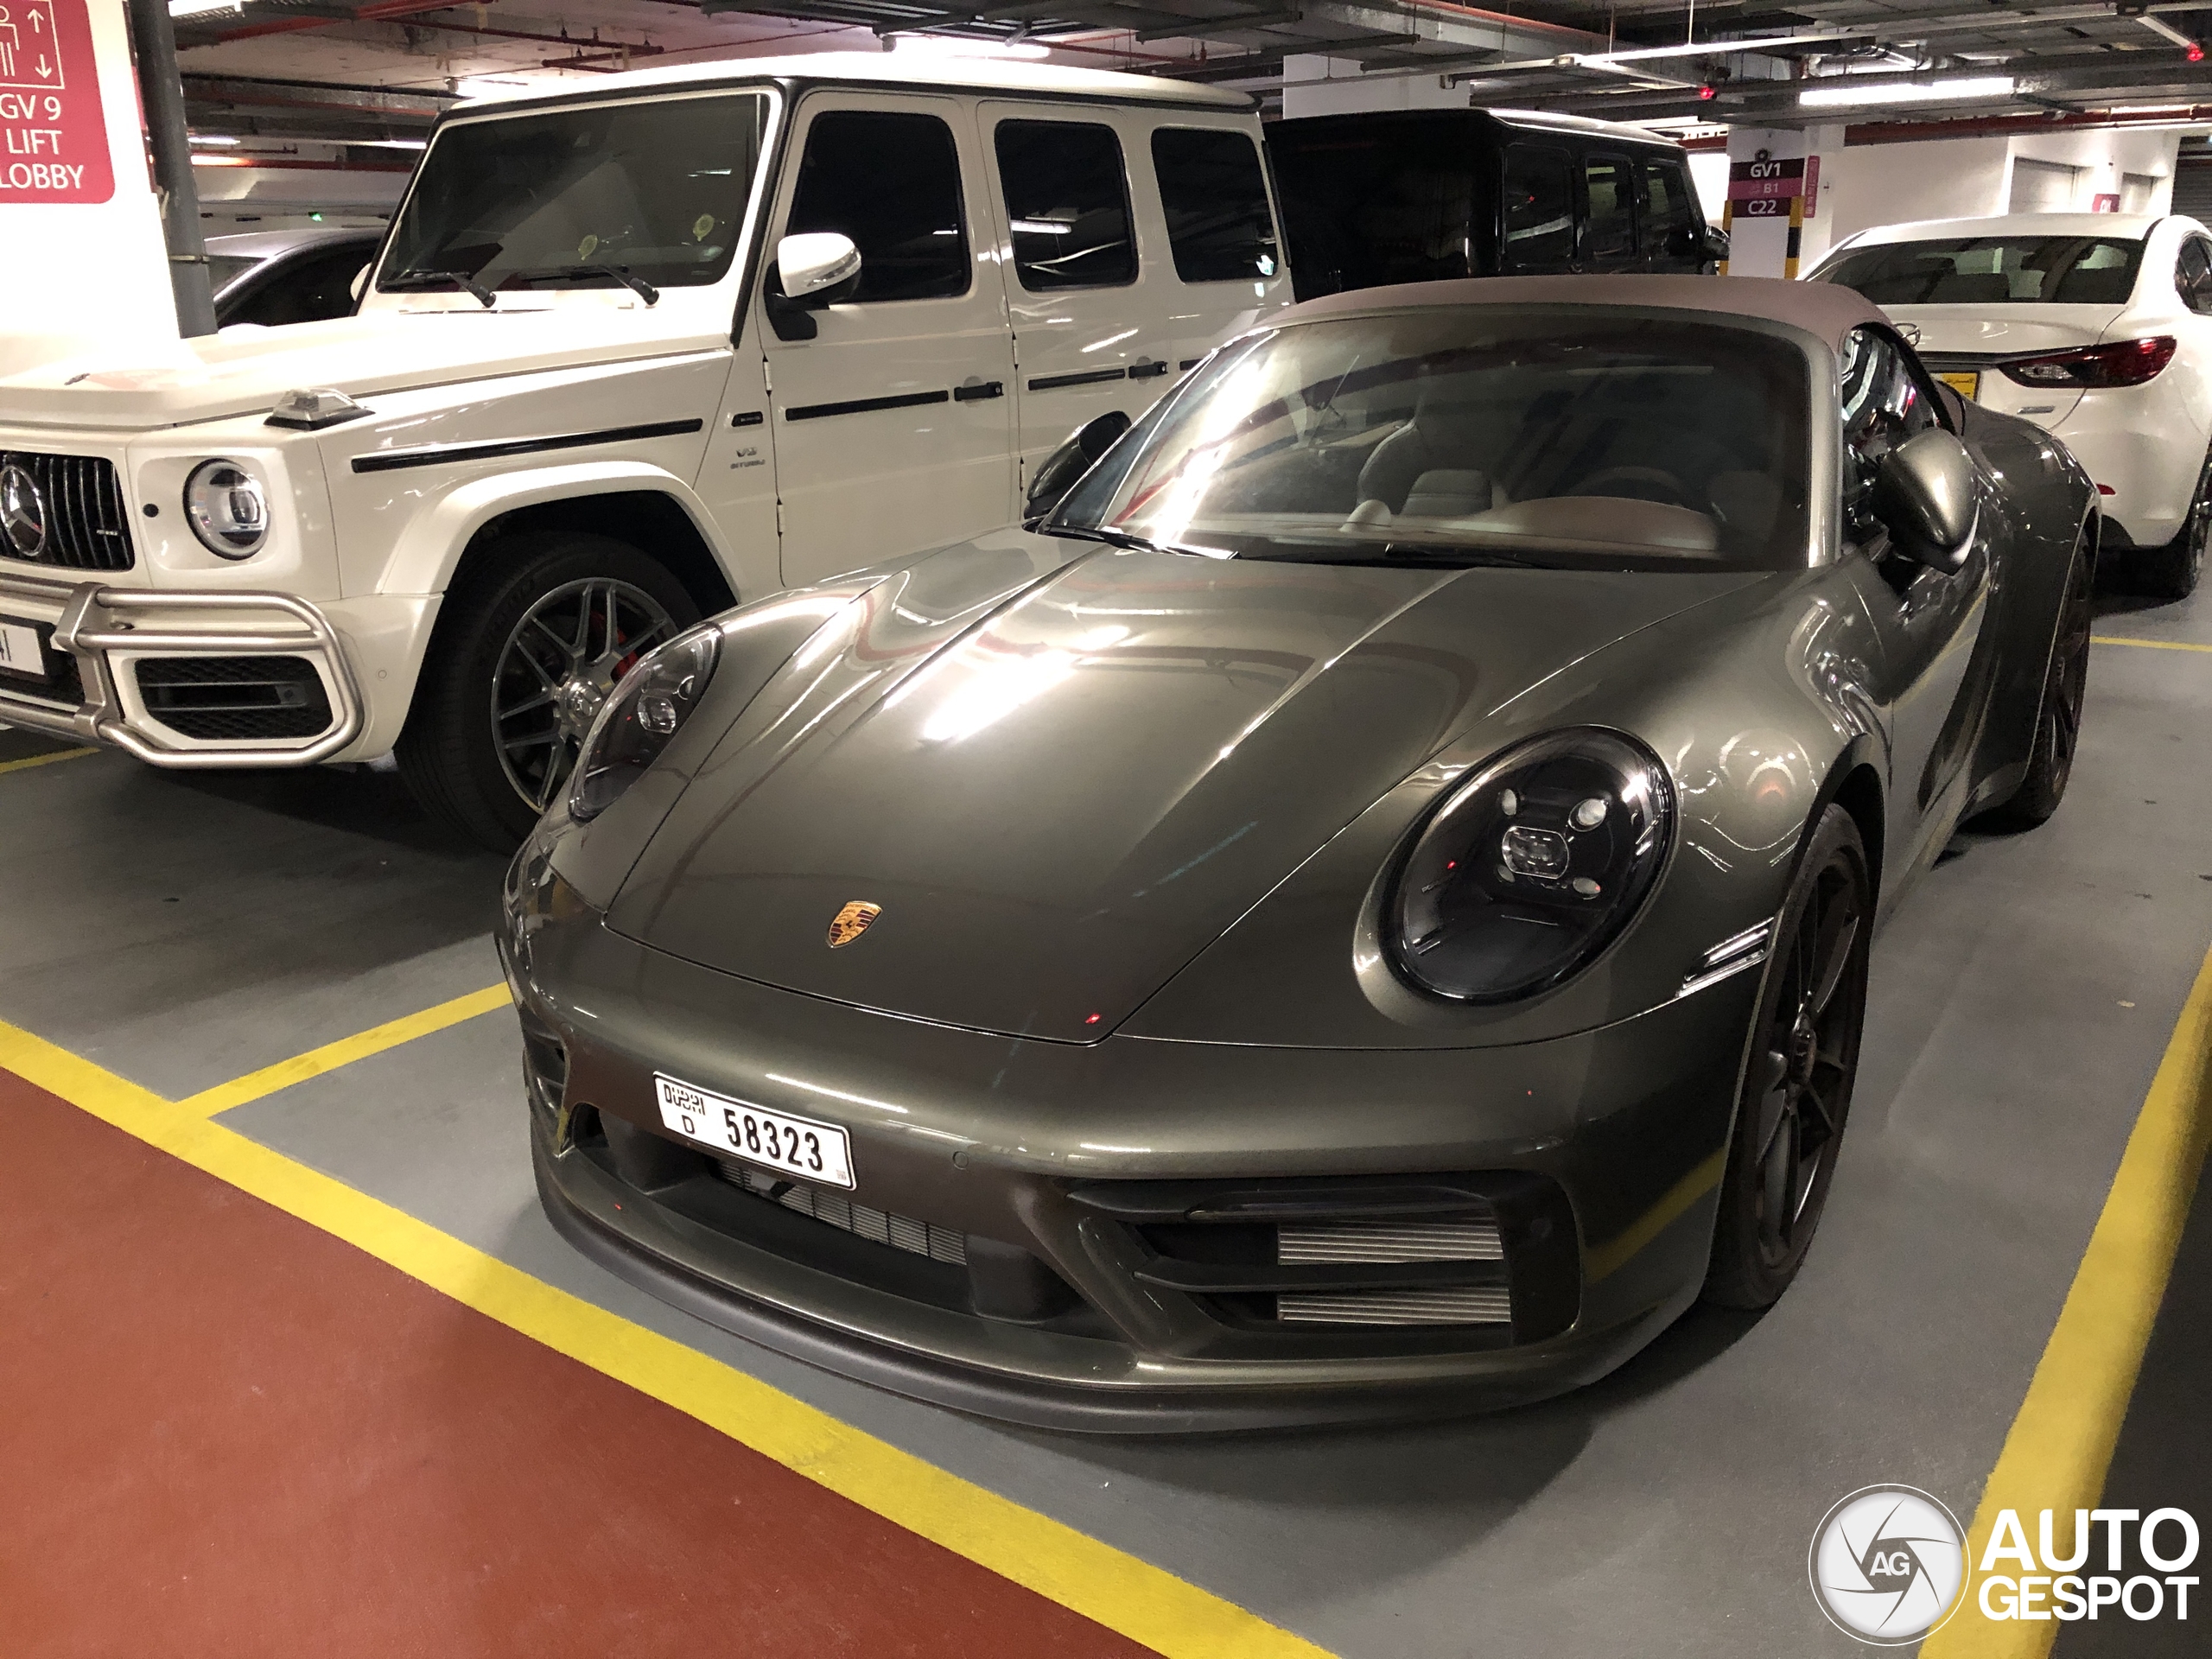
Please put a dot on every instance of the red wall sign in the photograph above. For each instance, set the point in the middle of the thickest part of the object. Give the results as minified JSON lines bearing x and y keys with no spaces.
{"x":53,"y":134}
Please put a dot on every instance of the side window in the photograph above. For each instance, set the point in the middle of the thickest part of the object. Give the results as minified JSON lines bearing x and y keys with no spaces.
{"x":1610,"y":191}
{"x":1883,"y":406}
{"x":1539,"y":208}
{"x":891,"y":182}
{"x":1666,"y":193}
{"x":1216,"y":200}
{"x":2193,"y":275}
{"x":309,"y":289}
{"x":1067,"y":203}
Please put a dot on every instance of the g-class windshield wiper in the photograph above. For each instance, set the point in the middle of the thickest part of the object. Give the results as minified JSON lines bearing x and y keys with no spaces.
{"x":461,"y":279}
{"x":638,"y":285}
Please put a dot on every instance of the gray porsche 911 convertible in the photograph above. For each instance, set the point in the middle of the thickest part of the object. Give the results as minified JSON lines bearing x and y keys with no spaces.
{"x":1359,"y":908}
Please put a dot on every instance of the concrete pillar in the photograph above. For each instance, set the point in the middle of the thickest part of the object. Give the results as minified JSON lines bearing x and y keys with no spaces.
{"x":1780,"y":207}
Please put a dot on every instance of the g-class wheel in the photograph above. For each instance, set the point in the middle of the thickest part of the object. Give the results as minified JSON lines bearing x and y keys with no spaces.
{"x":528,"y":645}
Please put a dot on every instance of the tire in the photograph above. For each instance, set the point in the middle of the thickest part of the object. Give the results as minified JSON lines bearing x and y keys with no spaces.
{"x":2173,"y":571}
{"x":526,"y":631}
{"x":1804,"y":1057}
{"x":2058,"y":717}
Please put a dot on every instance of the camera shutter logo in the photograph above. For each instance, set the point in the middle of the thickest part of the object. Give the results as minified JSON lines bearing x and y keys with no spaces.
{"x":1888,"y":1565}
{"x":23,"y":511}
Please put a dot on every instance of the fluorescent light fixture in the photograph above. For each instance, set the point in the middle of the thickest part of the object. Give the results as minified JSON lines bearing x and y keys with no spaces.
{"x":1907,"y":91}
{"x":489,"y":86}
{"x":951,"y":45}
{"x":201,"y":7}
{"x":222,"y":161}
{"x":388,"y":143}
{"x":215,"y":138}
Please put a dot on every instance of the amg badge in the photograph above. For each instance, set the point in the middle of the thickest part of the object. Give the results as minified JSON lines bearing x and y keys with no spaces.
{"x":851,"y":922}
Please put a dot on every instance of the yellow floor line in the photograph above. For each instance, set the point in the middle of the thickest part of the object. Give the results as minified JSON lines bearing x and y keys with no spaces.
{"x":2147,"y":645}
{"x":344,"y":1052}
{"x":2061,"y":1444}
{"x":1132,"y":1596}
{"x":30,"y":761}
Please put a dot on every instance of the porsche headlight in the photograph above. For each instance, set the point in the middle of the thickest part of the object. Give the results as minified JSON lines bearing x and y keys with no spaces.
{"x":228,"y":508}
{"x":635,"y":724}
{"x":1531,"y":868}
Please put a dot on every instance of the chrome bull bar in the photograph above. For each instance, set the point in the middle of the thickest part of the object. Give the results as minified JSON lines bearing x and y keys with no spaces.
{"x":95,"y":620}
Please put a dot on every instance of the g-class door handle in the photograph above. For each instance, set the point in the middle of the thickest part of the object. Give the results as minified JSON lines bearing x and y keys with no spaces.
{"x":1141,"y":371}
{"x":973,"y":388}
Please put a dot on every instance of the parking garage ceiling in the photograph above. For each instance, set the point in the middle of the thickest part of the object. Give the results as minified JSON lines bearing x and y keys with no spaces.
{"x":370,"y":78}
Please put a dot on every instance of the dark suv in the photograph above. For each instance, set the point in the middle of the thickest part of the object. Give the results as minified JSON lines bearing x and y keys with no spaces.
{"x":1425,"y":195}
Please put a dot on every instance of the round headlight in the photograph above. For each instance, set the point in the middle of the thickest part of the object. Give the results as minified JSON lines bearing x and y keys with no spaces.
{"x":1531,"y":868}
{"x":636,"y":722}
{"x":228,"y":509}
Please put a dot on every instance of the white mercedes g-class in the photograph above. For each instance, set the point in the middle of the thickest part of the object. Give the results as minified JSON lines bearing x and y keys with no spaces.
{"x":627,"y":357}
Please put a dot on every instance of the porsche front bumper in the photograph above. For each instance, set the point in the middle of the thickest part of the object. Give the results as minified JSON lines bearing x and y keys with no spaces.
{"x":1602,"y":1153}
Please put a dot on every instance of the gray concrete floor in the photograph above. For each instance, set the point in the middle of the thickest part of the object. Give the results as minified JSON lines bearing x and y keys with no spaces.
{"x":184,"y":931}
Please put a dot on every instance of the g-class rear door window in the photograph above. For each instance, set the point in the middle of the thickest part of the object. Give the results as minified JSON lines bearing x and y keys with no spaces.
{"x":1669,"y":218}
{"x":1539,"y":229}
{"x":1609,"y":199}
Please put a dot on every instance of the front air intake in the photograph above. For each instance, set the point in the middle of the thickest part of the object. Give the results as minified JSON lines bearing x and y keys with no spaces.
{"x":1377,"y":1242}
{"x":835,"y":1210}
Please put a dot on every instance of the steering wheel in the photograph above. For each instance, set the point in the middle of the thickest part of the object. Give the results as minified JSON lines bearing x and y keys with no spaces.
{"x":1637,"y":484}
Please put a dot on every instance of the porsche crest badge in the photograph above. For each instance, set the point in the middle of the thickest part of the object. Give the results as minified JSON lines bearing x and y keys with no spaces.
{"x":851,"y":922}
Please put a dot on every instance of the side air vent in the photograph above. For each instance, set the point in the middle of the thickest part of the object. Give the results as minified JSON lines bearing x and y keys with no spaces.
{"x":235,"y":698}
{"x":1380,"y":1242}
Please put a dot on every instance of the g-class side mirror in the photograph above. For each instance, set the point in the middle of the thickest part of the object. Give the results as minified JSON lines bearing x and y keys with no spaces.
{"x":811,"y":272}
{"x":1057,"y":473}
{"x":1924,"y":496}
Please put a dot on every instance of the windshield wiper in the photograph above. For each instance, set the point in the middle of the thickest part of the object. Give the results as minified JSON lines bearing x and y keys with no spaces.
{"x":1104,"y":533}
{"x":638,"y":285}
{"x":462,"y":279}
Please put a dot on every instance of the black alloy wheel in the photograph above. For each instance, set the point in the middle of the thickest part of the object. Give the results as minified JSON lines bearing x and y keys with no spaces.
{"x":529,"y":642}
{"x":2173,"y":571}
{"x":2058,"y":720}
{"x":1797,"y":1083}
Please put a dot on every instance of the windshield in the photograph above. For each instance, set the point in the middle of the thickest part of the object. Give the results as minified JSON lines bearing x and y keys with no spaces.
{"x":657,"y":189}
{"x":1580,"y":438}
{"x":1991,"y":271}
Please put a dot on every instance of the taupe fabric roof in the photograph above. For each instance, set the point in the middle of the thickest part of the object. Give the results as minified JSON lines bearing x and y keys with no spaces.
{"x":1820,"y":308}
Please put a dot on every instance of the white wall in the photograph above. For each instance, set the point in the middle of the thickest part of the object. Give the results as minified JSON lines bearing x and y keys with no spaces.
{"x":1969,"y":178}
{"x":1354,"y":92}
{"x":81,"y":272}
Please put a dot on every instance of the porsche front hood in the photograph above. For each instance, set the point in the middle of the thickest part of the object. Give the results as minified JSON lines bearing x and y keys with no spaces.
{"x":1060,"y":801}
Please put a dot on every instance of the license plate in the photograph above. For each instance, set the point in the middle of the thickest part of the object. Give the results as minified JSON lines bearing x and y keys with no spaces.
{"x":19,"y":652}
{"x":797,"y":1146}
{"x":1966,"y":382}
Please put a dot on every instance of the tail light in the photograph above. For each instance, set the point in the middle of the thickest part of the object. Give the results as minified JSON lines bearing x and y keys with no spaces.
{"x":2123,"y":363}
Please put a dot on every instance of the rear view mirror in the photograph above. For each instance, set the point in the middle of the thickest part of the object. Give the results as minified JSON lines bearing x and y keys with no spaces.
{"x":1924,"y":496}
{"x":812,"y":271}
{"x":1060,"y":471}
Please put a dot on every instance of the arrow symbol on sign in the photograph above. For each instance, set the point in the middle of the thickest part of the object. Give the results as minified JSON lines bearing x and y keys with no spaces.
{"x":43,"y":71}
{"x":38,"y":22}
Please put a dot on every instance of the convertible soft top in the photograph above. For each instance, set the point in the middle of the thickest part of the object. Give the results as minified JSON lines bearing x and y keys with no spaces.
{"x":1820,"y":308}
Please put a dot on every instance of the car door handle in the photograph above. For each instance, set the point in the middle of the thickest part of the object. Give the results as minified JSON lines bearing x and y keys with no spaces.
{"x":972,"y":390}
{"x":1145,"y":371}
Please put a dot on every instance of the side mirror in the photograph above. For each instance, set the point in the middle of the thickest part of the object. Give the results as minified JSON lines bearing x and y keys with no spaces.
{"x":811,"y":272}
{"x":1924,"y":496}
{"x":360,"y":283}
{"x":1715,"y":246}
{"x":1060,"y":471}
{"x":813,"y":264}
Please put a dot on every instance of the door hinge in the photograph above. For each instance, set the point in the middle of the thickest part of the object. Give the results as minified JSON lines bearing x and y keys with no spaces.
{"x":767,"y":377}
{"x":780,"y":516}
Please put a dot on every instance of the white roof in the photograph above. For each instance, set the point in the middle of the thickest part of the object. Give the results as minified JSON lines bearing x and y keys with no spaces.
{"x":2119,"y":225}
{"x":882,"y":68}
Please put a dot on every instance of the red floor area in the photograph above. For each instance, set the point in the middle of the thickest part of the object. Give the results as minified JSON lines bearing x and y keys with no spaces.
{"x":226,"y":1433}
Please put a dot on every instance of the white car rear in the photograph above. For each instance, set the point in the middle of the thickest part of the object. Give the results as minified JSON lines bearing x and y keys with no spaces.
{"x":2097,"y":327}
